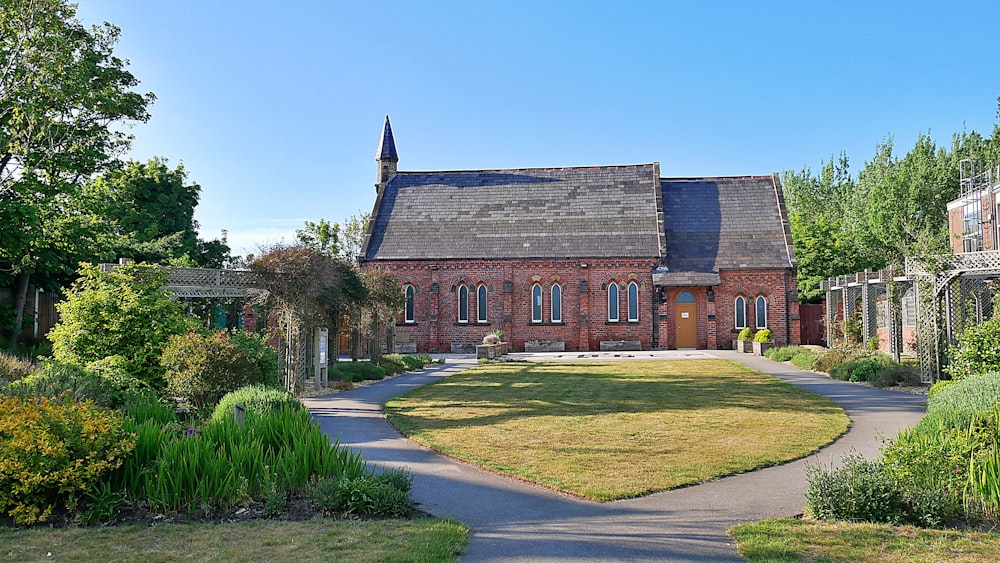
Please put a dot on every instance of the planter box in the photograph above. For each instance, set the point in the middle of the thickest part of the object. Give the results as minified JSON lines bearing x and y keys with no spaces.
{"x":620,"y":345}
{"x":745,"y":346}
{"x":406,"y":347}
{"x":760,"y":348}
{"x":544,"y":346}
{"x":504,"y":348}
{"x":487,"y":351}
{"x":463,"y":348}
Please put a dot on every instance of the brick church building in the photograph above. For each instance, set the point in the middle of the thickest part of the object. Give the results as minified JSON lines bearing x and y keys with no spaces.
{"x":582,"y":258}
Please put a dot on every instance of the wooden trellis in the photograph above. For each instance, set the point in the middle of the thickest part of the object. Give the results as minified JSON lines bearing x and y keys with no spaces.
{"x":956,"y":292}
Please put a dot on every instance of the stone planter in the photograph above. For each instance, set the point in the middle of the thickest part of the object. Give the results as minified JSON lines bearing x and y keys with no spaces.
{"x":487,"y":351}
{"x":745,"y":346}
{"x":620,"y":345}
{"x":504,"y":348}
{"x":544,"y":346}
{"x":760,"y":348}
{"x":406,"y":347}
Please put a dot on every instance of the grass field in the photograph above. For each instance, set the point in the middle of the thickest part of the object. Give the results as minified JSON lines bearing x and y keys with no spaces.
{"x":803,"y":540}
{"x":620,"y":429}
{"x":426,"y":539}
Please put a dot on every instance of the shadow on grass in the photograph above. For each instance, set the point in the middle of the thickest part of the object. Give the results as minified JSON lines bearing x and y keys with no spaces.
{"x":498,"y":393}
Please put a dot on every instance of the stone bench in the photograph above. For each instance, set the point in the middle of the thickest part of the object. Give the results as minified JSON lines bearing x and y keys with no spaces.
{"x":621,"y":346}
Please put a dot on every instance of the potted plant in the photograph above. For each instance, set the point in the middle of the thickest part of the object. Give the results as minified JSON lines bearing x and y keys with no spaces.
{"x":762,"y":341}
{"x":743,"y":343}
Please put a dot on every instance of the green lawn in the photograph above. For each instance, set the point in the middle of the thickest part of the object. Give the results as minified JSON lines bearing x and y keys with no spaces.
{"x":425,"y":539}
{"x":610,"y":430}
{"x":805,"y":540}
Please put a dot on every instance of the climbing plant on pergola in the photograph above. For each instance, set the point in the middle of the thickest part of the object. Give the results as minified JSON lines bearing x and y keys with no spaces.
{"x":306,"y":289}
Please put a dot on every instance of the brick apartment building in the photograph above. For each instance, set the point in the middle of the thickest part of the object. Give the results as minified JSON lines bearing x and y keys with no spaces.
{"x":582,"y":258}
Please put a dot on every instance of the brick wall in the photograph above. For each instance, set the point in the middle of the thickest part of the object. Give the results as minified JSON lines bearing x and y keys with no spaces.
{"x":774,"y":286}
{"x":584,"y":285}
{"x":509,"y":283}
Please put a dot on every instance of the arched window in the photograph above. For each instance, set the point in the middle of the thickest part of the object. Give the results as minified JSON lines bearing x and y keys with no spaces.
{"x":909,"y":307}
{"x":612,"y":302}
{"x":761,"y":312}
{"x":536,"y":303}
{"x":740,"y":313}
{"x":556,"y":303}
{"x":408,"y":311}
{"x":463,"y":304}
{"x":481,"y":304}
{"x":633,"y":302}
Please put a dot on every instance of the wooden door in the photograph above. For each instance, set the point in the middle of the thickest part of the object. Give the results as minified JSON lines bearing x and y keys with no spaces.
{"x":686,"y":321}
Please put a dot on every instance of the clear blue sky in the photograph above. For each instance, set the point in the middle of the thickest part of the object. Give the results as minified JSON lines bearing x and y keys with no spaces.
{"x":275,"y":108}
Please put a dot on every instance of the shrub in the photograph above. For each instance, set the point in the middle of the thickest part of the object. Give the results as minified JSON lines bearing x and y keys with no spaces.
{"x":806,"y":359}
{"x":392,"y":363}
{"x":414,"y":362}
{"x":13,"y":367}
{"x":53,"y":451}
{"x":858,"y":491}
{"x":361,"y":371}
{"x":260,"y":399}
{"x":940,"y":386}
{"x":123,"y":312}
{"x":977,"y":351}
{"x":866,"y":491}
{"x":400,"y":479}
{"x":966,"y":402}
{"x":763,"y":335}
{"x":865,"y":369}
{"x":783,"y":353}
{"x":745,"y":334}
{"x":362,"y":495}
{"x":201,"y":368}
{"x":263,"y":356}
{"x":53,"y":379}
{"x":837,"y":354}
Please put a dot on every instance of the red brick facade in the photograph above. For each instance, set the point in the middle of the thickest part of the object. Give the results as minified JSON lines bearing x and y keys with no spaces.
{"x":584,"y":293}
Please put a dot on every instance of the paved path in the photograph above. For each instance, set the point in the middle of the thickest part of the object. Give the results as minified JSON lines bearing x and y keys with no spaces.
{"x":516,"y":521}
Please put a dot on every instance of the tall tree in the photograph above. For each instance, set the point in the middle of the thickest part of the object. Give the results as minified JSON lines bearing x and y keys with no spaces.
{"x":149,"y":214}
{"x":61,"y":91}
{"x":352,"y":236}
{"x":323,"y":236}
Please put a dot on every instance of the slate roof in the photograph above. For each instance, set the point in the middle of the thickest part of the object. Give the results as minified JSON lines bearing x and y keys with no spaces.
{"x":592,"y":212}
{"x":715,"y":224}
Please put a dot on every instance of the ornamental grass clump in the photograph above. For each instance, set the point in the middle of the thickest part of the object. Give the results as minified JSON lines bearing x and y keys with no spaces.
{"x":224,"y":463}
{"x":13,"y":367}
{"x":51,"y":452}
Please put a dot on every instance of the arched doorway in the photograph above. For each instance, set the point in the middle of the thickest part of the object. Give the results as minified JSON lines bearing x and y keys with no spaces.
{"x":686,"y":320}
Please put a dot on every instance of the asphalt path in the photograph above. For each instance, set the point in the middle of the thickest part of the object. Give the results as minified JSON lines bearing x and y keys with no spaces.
{"x":517,"y":521}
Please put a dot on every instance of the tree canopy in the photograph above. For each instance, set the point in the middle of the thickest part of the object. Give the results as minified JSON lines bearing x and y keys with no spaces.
{"x":896,"y":207}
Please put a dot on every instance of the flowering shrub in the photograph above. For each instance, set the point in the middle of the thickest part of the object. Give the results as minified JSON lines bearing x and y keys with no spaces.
{"x":745,"y":334}
{"x":13,"y":368}
{"x":52,"y":452}
{"x":763,"y":335}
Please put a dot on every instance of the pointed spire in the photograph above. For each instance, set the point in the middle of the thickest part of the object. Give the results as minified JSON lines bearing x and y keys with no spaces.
{"x":387,"y":146}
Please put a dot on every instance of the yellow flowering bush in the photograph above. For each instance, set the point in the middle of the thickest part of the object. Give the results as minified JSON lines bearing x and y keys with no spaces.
{"x":51,"y":451}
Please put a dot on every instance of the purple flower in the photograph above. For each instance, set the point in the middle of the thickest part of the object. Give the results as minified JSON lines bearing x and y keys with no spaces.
{"x":191,"y":431}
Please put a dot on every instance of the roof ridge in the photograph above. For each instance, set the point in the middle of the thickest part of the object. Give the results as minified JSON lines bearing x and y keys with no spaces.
{"x":526,"y":169}
{"x":735,"y":177}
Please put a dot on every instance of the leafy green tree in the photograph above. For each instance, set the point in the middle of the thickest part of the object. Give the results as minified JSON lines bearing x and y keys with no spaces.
{"x":62,"y":90}
{"x":323,"y":237}
{"x":352,"y":236}
{"x":149,"y":212}
{"x":816,"y":211}
{"x":119,"y":313}
{"x":385,"y":301}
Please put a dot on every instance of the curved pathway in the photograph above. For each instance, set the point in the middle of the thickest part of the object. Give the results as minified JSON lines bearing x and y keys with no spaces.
{"x":516,"y":521}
